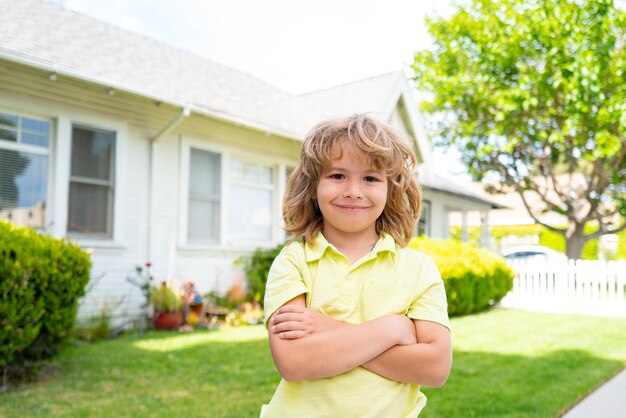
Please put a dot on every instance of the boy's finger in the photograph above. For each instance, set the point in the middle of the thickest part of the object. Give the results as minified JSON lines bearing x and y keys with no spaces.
{"x":291,"y":335}
{"x":291,"y":308}
{"x":287,"y":326}
{"x":277,"y":319}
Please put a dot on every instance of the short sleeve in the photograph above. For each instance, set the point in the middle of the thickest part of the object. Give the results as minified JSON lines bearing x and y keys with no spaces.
{"x":429,"y":301}
{"x":284,"y":280}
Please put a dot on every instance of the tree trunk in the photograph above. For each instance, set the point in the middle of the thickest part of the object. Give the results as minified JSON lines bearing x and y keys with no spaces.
{"x":575,"y":241}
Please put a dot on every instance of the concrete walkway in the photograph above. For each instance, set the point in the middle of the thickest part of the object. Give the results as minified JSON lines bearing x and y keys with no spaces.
{"x":608,"y":401}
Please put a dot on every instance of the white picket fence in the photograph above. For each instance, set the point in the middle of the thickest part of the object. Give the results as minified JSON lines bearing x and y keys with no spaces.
{"x":579,"y":287}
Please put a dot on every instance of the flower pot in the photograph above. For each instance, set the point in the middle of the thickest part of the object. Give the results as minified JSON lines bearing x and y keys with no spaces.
{"x":167,"y":320}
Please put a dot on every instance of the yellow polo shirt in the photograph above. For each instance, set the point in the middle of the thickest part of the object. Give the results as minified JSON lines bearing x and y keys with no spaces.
{"x":388,"y":280}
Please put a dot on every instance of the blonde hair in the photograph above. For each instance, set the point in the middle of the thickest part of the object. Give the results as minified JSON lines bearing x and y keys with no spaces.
{"x":388,"y":152}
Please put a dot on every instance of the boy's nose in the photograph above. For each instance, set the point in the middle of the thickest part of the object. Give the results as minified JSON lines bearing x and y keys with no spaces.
{"x":353,"y":191}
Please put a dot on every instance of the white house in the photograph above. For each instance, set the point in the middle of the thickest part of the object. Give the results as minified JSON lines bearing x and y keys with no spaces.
{"x":143,"y":152}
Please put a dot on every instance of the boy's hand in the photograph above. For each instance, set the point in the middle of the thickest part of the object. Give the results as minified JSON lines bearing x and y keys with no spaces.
{"x":405,"y":328}
{"x":291,"y":322}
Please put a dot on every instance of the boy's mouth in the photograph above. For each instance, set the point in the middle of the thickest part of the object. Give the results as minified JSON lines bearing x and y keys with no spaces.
{"x":351,"y":207}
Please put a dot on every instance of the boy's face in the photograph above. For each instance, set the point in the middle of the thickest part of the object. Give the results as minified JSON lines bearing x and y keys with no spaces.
{"x":351,"y":195}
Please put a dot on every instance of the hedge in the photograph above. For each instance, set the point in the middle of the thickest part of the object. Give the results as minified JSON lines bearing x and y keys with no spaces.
{"x":475,"y":279}
{"x":41,"y":279}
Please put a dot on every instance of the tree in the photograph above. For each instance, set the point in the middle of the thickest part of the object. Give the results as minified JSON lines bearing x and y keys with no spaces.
{"x":533,"y":94}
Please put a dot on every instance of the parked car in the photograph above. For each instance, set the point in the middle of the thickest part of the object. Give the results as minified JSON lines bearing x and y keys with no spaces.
{"x":533,"y":253}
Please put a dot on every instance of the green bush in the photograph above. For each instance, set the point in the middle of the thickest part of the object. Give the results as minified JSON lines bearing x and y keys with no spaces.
{"x":256,"y":267}
{"x":475,"y":278}
{"x":41,"y":279}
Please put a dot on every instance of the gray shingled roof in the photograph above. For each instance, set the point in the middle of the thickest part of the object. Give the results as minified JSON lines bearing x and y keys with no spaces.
{"x":434,"y":181}
{"x":38,"y":32}
{"x":370,"y":95}
{"x":49,"y":36}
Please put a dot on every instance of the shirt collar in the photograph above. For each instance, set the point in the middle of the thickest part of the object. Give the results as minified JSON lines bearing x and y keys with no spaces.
{"x":316,"y":250}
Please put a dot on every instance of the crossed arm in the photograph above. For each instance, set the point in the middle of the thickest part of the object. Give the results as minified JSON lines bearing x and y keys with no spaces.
{"x":308,"y":345}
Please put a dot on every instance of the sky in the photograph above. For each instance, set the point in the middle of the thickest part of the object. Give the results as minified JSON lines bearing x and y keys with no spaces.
{"x":295,"y":45}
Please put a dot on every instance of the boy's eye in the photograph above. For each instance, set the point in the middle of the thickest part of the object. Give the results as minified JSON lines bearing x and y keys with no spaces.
{"x":370,"y":179}
{"x":336,"y":176}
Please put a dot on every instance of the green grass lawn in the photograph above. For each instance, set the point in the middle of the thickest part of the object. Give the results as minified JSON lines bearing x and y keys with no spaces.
{"x":506,"y":364}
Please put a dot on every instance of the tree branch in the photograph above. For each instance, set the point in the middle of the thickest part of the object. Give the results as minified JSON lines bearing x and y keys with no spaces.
{"x":601,"y":231}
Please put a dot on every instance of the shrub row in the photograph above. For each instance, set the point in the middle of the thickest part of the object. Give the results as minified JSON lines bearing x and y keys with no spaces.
{"x":475,"y":278}
{"x":41,"y":279}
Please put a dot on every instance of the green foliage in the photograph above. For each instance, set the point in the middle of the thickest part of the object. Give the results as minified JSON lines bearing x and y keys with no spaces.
{"x":534,"y":89}
{"x":475,"y":279}
{"x":501,"y":231}
{"x":97,"y":327}
{"x":545,"y":236}
{"x":214,"y":298}
{"x":41,"y":279}
{"x":165,"y":299}
{"x":256,"y":267}
{"x":621,"y":246}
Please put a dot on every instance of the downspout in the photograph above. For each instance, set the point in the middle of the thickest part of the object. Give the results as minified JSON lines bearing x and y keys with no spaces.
{"x":185,"y":112}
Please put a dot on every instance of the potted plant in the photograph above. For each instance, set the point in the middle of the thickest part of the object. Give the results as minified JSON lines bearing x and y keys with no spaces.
{"x":166,"y":305}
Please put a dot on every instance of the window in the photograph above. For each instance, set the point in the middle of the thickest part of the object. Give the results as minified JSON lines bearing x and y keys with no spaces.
{"x":423,"y":224}
{"x":251,"y":202}
{"x":230,"y":201}
{"x":90,"y":208}
{"x":24,"y":153}
{"x":203,"y":217}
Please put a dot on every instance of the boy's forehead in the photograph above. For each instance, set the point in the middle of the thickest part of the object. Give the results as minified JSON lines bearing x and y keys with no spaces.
{"x":345,"y":149}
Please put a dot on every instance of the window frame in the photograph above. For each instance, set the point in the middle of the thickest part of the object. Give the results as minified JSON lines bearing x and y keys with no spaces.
{"x":220,"y":198}
{"x":64,"y":133}
{"x":48,"y":151}
{"x":272,"y":187}
{"x":111,"y":184}
{"x":226,"y":155}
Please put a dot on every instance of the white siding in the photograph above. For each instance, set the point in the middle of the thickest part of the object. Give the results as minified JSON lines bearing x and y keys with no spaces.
{"x":138,"y":238}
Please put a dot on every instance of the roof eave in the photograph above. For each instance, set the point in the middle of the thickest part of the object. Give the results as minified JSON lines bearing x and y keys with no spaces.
{"x":477,"y":199}
{"x":235,"y":120}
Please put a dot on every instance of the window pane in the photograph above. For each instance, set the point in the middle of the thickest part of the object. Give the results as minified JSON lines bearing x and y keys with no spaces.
{"x":89,"y":209}
{"x":250,"y":215}
{"x":35,"y":132}
{"x":8,"y":135}
{"x":34,"y":139}
{"x":92,"y":153}
{"x":40,"y":127}
{"x":203,"y":216}
{"x":250,"y":172}
{"x":7,"y":120}
{"x":204,"y":174}
{"x":23,"y":187}
{"x":203,"y":225}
